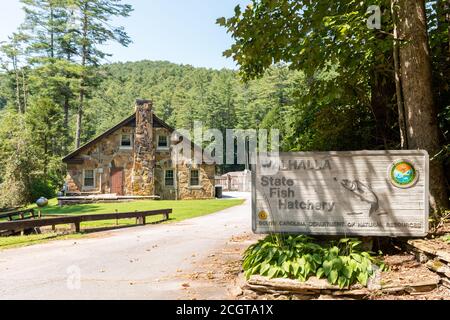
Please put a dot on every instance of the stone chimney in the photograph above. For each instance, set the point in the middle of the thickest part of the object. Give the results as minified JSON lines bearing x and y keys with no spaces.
{"x":144,"y":153}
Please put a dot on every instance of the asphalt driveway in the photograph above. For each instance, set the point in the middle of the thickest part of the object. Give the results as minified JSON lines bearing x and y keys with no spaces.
{"x":134,"y":263}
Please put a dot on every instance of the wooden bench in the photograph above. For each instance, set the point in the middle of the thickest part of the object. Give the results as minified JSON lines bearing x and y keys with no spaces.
{"x":22,"y":214}
{"x":19,"y":215}
{"x":76,"y":221}
{"x":3,"y":210}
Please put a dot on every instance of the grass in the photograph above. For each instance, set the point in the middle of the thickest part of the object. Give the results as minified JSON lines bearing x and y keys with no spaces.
{"x":446,"y":238}
{"x":181,"y":210}
{"x":22,"y":241}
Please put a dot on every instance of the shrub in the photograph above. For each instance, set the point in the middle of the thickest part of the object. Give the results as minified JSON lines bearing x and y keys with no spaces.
{"x":299,"y":257}
{"x":42,"y":188}
{"x":15,"y":187}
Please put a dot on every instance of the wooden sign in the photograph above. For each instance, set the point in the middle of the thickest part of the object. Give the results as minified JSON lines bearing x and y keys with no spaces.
{"x":366,"y":193}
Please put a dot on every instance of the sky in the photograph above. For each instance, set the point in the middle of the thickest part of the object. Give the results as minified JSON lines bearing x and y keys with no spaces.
{"x":180,"y":31}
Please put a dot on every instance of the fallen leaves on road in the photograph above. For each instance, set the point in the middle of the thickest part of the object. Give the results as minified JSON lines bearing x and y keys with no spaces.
{"x":216,"y":274}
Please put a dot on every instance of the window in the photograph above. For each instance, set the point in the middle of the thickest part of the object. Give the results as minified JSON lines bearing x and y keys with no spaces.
{"x":89,"y":178}
{"x":168,"y":178}
{"x":163,"y":142}
{"x":126,"y":141}
{"x":195,"y":181}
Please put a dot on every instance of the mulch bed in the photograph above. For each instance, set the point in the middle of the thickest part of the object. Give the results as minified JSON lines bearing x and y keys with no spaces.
{"x":415,"y":273}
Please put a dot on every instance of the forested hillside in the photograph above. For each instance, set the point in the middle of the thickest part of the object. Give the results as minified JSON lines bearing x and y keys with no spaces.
{"x":219,"y":99}
{"x":181,"y":95}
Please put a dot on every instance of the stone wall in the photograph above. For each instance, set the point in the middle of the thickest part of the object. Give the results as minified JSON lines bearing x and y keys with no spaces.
{"x":206,"y":188}
{"x":102,"y":157}
{"x":181,"y":176}
{"x":163,"y":162}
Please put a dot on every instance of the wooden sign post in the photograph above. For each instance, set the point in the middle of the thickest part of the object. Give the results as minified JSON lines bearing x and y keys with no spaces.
{"x":366,"y":193}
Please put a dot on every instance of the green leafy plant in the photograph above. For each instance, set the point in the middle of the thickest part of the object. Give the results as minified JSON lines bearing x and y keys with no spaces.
{"x":342,"y":263}
{"x":446,"y":238}
{"x":289,"y":257}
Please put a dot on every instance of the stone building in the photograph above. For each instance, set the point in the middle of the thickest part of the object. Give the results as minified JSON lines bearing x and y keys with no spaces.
{"x":133,"y":158}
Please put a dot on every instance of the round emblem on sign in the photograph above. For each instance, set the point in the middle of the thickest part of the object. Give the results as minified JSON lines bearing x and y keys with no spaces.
{"x":403,"y":174}
{"x":262,"y":215}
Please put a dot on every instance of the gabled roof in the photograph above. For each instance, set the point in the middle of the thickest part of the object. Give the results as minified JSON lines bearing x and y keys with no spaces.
{"x":131,"y":120}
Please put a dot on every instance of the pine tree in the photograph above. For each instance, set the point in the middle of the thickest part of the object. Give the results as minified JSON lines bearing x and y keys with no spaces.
{"x":13,"y":62}
{"x":93,"y":21}
{"x":50,"y":47}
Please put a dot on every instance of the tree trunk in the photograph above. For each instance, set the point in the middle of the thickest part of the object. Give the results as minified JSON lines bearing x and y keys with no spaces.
{"x":67,"y":97}
{"x":382,"y":93}
{"x":447,"y":8}
{"x":66,"y":111}
{"x":397,"y":78}
{"x":79,"y":117}
{"x":84,"y":51}
{"x":66,"y":107}
{"x":52,"y":33}
{"x":25,"y":92}
{"x":16,"y":72}
{"x":416,"y":78}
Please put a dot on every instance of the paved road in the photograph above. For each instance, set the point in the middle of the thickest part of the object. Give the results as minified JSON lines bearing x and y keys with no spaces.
{"x":134,"y":263}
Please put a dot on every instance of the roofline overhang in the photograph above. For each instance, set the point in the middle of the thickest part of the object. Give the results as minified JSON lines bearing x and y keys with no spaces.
{"x":68,"y":157}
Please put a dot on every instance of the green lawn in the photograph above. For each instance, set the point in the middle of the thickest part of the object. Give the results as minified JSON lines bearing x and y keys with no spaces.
{"x":181,"y":210}
{"x":20,"y":241}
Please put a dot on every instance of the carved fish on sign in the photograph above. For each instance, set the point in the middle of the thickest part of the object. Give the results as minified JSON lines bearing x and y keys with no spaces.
{"x":364,"y":193}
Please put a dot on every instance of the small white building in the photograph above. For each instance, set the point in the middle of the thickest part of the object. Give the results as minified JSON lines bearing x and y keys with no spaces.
{"x":235,"y":181}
